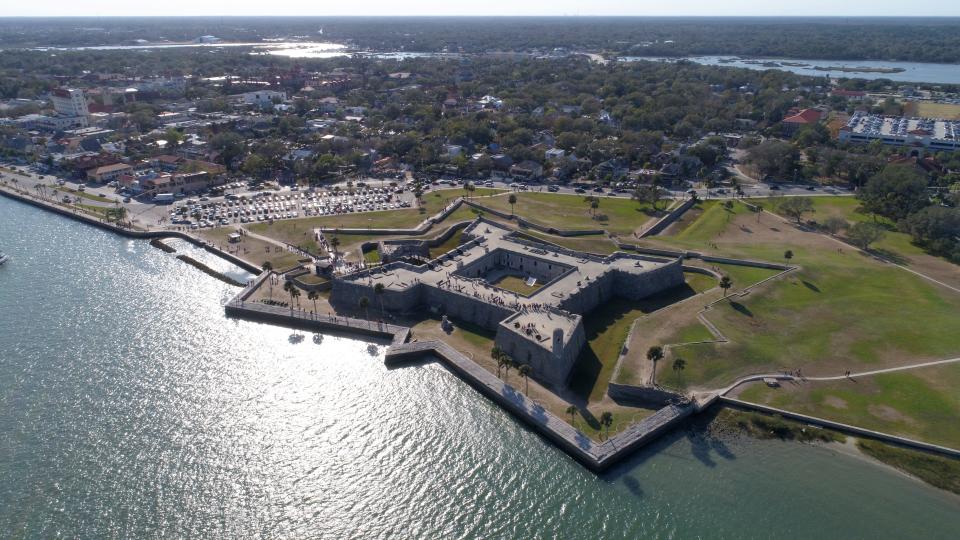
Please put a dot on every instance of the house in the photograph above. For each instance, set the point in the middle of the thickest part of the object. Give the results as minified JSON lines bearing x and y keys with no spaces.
{"x":806,"y":117}
{"x":329,"y":105}
{"x":452,"y":150}
{"x":527,"y":169}
{"x":554,"y":154}
{"x":263,"y":98}
{"x":501,"y":161}
{"x":108,"y":173}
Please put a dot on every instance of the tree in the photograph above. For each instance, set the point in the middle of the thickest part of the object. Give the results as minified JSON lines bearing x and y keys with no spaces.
{"x":497,"y":354}
{"x":655,"y":354}
{"x":525,"y":371}
{"x":759,"y":209}
{"x":725,"y":284}
{"x":594,"y":204}
{"x":796,"y":207}
{"x":288,"y":288}
{"x":364,"y":304}
{"x":230,"y":145}
{"x":606,"y":420}
{"x":864,"y":233}
{"x":834,"y":224}
{"x":773,"y":157}
{"x":512,"y":199}
{"x":895,"y":193}
{"x":572,"y":411}
{"x":728,"y":207}
{"x":334,"y":243}
{"x":648,"y":194}
{"x":788,"y":254}
{"x":378,"y":291}
{"x":268,"y":267}
{"x":295,"y":295}
{"x":936,"y":228}
{"x":679,"y":365}
{"x":313,"y":295}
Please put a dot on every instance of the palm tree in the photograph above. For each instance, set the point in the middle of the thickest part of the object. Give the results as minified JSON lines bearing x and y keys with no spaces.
{"x":497,"y":354}
{"x":572,"y":411}
{"x":508,"y":364}
{"x":313,"y":295}
{"x":759,"y":211}
{"x":594,"y":204}
{"x":334,"y":243}
{"x":725,"y":283}
{"x":606,"y":420}
{"x":378,"y":290}
{"x":295,"y":295}
{"x":679,"y":364}
{"x":655,"y":354}
{"x":364,"y":304}
{"x":267,"y":267}
{"x":288,"y":288}
{"x":512,"y":199}
{"x":524,"y":371}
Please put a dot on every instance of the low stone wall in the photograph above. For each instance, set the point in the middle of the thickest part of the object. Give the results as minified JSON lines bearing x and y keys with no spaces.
{"x":846,"y":428}
{"x":668,"y":219}
{"x":646,"y":395}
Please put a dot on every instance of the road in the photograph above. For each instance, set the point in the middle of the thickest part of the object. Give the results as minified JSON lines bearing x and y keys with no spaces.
{"x":146,"y":214}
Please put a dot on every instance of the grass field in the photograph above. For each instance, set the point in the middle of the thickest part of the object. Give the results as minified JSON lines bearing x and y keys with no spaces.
{"x":947,"y":111}
{"x":620,"y":216}
{"x":841,"y":310}
{"x":517,"y":285}
{"x":82,"y":194}
{"x":451,"y":243}
{"x":594,"y":243}
{"x":923,"y":403}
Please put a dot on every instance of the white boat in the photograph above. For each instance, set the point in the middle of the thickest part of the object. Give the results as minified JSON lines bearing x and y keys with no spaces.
{"x":3,"y":257}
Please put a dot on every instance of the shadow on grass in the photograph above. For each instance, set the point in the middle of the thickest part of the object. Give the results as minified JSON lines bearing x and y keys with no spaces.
{"x":741,"y":309}
{"x":811,"y":286}
{"x":891,"y":256}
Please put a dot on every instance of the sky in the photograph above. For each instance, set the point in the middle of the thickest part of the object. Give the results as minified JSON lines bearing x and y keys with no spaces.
{"x":102,"y":8}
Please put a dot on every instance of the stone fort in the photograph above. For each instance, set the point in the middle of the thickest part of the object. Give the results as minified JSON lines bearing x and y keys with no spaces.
{"x":542,"y":328}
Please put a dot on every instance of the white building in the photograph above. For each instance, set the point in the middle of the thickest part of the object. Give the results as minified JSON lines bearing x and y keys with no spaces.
{"x":263,"y":98}
{"x":69,"y":102}
{"x":901,"y":131}
{"x":51,"y":123}
{"x":554,"y":154}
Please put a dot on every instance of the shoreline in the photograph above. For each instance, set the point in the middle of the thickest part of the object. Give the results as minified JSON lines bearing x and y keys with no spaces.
{"x":595,"y":456}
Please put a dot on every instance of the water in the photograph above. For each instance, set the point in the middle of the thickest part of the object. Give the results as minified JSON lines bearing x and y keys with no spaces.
{"x":913,"y":71}
{"x":130,"y":407}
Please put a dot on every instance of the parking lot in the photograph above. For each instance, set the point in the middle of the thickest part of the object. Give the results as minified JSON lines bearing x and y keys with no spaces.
{"x":272,"y":206}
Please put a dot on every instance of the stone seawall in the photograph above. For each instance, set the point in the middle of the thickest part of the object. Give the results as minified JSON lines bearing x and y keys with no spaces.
{"x":593,"y":455}
{"x":130,"y":233}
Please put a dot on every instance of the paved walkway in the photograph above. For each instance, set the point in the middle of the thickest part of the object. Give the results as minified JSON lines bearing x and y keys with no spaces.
{"x":784,"y":377}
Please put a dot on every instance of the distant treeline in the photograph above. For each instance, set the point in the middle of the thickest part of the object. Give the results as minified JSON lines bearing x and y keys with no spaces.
{"x":920,"y":39}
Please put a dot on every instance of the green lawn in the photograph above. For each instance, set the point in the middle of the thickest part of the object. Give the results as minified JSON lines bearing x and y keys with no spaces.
{"x":619,"y":216}
{"x":594,"y":243}
{"x":922,"y":404}
{"x":517,"y":285}
{"x":450,"y":244}
{"x":712,"y":221}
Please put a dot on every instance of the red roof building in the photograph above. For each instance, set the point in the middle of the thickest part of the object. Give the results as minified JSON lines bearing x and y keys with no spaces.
{"x":803,"y":118}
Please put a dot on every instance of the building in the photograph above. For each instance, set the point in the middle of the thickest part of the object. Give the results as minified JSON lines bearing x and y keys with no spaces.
{"x":554,"y":154}
{"x":806,"y":117}
{"x":527,"y":169}
{"x":849,"y":95}
{"x":108,"y":173}
{"x":69,"y":102}
{"x":901,"y":131}
{"x":50,"y":123}
{"x":452,"y":150}
{"x":543,"y":329}
{"x":263,"y":98}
